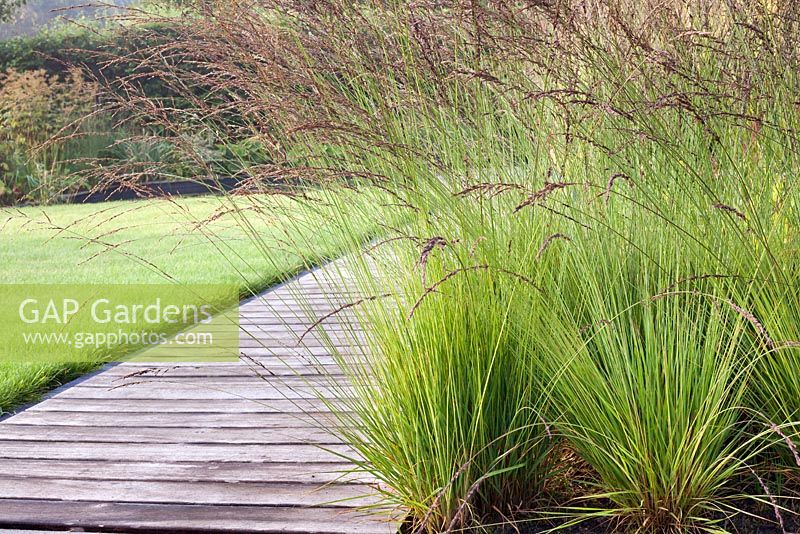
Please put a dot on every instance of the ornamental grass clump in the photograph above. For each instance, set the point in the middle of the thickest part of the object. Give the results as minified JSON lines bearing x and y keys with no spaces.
{"x":649,"y":395}
{"x":451,"y":417}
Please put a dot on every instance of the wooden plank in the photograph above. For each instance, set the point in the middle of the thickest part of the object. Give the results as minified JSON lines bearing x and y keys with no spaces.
{"x":301,"y":307}
{"x":222,"y":382}
{"x":289,"y":314}
{"x":266,"y":316}
{"x":254,"y":366}
{"x":293,"y":356}
{"x":169,"y":435}
{"x":302,"y":288}
{"x":180,"y":471}
{"x":176,"y":391}
{"x":259,"y":361}
{"x":170,"y":420}
{"x":191,"y":492}
{"x":291,"y":340}
{"x":290,"y":350}
{"x":165,"y":452}
{"x":253,"y":324}
{"x":290,"y":353}
{"x":105,"y":382}
{"x":275,"y":350}
{"x":273,"y":366}
{"x":303,"y":310}
{"x":214,"y":369}
{"x":229,"y":406}
{"x":199,"y":518}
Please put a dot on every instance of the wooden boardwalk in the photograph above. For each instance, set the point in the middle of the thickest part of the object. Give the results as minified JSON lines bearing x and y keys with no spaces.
{"x":213,"y":447}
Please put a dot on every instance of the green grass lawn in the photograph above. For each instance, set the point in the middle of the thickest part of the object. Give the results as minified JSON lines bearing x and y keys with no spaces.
{"x":252,"y":241}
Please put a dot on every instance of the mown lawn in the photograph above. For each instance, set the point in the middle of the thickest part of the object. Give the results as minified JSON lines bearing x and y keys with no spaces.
{"x":252,"y":241}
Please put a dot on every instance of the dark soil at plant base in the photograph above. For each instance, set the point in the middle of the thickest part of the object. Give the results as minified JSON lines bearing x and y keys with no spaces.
{"x":755,"y":518}
{"x":740,"y":524}
{"x":745,"y":526}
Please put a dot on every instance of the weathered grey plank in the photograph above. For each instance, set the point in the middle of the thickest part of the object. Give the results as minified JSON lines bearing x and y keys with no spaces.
{"x":176,"y":391}
{"x":267,"y":317}
{"x":180,"y":471}
{"x":304,"y":355}
{"x":214,"y":370}
{"x":170,"y":420}
{"x":276,"y":350}
{"x":210,"y":380}
{"x":200,"y":518}
{"x":270,"y":364}
{"x":191,"y":492}
{"x":229,"y":406}
{"x":306,"y":311}
{"x":267,"y":363}
{"x":292,"y":341}
{"x":256,"y":325}
{"x":166,"y":452}
{"x":300,"y":433}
